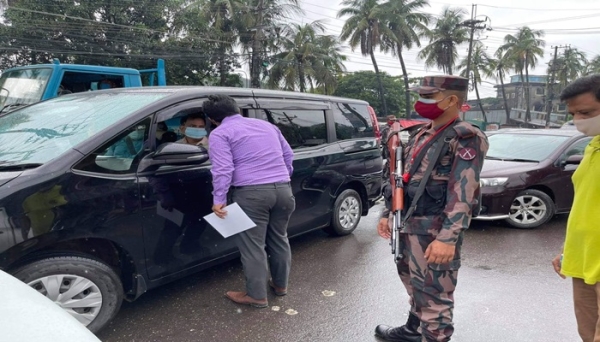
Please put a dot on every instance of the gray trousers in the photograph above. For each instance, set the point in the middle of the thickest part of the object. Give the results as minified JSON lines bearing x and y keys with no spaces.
{"x":270,"y":207}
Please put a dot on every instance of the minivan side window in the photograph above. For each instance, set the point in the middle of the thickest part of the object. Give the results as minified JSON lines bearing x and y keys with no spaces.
{"x":121,"y":154}
{"x":352,"y":121}
{"x":301,"y":128}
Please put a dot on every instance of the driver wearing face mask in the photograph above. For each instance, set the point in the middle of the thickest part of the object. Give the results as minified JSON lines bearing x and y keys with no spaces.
{"x":193,"y":127}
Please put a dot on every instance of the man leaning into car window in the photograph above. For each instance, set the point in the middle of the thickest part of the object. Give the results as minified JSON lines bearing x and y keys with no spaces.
{"x":252,"y":164}
{"x":580,"y":258}
{"x":193,"y":127}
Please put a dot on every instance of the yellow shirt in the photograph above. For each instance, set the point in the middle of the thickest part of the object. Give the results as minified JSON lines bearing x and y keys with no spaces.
{"x":582,"y":245}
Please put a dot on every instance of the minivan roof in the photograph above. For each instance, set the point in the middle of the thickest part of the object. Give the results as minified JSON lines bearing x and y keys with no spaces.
{"x":198,"y":90}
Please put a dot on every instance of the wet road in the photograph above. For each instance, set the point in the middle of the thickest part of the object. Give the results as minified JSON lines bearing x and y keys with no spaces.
{"x":341,"y":288}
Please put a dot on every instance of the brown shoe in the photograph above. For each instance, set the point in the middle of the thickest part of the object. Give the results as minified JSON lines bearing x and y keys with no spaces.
{"x":279,"y":291}
{"x":243,"y":298}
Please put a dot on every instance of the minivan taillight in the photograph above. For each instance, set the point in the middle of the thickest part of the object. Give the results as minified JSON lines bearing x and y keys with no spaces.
{"x":375,"y":123}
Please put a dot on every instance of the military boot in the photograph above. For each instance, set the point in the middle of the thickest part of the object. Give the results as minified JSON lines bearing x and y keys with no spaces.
{"x":406,"y":333}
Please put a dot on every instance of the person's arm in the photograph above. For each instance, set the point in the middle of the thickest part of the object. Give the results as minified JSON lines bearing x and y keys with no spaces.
{"x":288,"y":153}
{"x":463,"y":186}
{"x":222,"y":166}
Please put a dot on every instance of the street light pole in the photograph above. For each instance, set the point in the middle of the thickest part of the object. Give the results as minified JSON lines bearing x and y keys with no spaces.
{"x":247,"y":83}
{"x":472,"y":24}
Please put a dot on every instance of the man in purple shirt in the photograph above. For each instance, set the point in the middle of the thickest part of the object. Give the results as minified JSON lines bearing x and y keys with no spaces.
{"x":252,"y":164}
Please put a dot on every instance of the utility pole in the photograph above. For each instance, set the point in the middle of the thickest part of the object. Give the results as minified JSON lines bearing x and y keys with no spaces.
{"x":257,"y":47}
{"x":550,"y":90}
{"x":473,"y":25}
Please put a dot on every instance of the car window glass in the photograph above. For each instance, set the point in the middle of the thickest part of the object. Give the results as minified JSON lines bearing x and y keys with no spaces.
{"x":121,"y":154}
{"x":533,"y":147}
{"x":46,"y":130}
{"x":301,"y":128}
{"x":352,"y":121}
{"x":577,"y":148}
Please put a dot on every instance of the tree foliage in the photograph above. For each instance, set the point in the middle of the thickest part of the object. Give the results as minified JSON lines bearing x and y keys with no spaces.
{"x":364,"y":85}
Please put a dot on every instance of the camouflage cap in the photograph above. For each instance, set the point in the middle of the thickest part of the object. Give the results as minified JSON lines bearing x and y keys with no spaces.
{"x":433,"y":84}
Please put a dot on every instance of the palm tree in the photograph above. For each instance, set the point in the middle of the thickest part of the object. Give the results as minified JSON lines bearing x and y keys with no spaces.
{"x":570,"y":66}
{"x":444,"y":39}
{"x":258,"y":23}
{"x":502,"y":64}
{"x":221,"y":16}
{"x":593,"y":66}
{"x":407,"y":26}
{"x":482,"y":66}
{"x":364,"y":27}
{"x":524,"y":48}
{"x":307,"y":58}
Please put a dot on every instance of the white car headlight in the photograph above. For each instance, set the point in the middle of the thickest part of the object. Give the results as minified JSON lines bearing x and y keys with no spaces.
{"x":498,"y":181}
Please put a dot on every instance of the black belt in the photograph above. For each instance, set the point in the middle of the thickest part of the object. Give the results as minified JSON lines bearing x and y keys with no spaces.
{"x":262,"y":186}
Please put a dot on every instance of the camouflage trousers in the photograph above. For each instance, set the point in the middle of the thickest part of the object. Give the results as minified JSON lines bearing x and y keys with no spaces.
{"x":429,"y":286}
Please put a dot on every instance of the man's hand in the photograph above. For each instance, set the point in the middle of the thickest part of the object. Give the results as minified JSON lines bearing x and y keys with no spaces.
{"x":557,"y":266}
{"x":439,"y":253}
{"x":219,"y":211}
{"x":383,"y":228}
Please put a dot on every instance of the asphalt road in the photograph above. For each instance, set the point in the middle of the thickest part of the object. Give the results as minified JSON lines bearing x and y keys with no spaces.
{"x":341,"y":288}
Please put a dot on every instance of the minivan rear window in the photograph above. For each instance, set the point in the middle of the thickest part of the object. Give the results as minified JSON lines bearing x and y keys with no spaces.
{"x":352,"y":121}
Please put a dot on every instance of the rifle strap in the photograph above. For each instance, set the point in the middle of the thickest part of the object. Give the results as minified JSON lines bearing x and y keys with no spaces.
{"x":433,"y":162}
{"x":419,"y":158}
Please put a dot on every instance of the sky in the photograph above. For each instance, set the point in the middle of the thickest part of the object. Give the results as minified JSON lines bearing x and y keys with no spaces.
{"x":565,"y":22}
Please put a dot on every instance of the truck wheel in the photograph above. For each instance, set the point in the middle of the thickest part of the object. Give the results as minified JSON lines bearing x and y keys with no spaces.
{"x":530,"y":209}
{"x":346,"y":213}
{"x":87,"y":289}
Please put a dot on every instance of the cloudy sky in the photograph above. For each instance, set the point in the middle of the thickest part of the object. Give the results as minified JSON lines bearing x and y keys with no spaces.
{"x":574,"y":22}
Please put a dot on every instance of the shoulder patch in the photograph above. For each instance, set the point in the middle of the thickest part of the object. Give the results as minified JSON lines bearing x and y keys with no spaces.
{"x":465,"y":130}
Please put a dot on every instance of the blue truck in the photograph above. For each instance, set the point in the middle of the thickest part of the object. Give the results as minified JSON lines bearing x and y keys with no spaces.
{"x":29,"y":84}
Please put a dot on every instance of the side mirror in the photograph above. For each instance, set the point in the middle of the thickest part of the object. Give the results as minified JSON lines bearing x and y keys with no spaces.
{"x":573,"y":159}
{"x":174,"y":154}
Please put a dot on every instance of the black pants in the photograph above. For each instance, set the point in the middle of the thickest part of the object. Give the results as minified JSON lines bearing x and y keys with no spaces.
{"x":270,"y":207}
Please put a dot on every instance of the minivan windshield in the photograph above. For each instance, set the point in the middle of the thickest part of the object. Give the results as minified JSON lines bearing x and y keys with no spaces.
{"x":523,"y":147}
{"x":23,"y":86}
{"x":44,"y":131}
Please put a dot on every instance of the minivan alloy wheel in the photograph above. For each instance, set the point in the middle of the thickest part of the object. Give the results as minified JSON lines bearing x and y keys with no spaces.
{"x":77,"y":295}
{"x":349,"y":212}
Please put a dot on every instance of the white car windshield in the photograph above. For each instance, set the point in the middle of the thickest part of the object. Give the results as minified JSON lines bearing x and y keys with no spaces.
{"x":44,"y":131}
{"x":523,"y":147}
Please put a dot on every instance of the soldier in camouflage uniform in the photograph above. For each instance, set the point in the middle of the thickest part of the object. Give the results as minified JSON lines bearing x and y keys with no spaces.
{"x":431,"y":238}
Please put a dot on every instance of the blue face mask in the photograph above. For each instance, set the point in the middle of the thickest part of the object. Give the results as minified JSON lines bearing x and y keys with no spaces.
{"x":195,"y":133}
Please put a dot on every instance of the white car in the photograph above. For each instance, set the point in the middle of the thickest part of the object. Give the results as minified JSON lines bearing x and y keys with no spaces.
{"x":26,"y":315}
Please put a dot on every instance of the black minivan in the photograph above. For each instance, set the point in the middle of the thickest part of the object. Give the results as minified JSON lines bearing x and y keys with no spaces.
{"x":99,"y":203}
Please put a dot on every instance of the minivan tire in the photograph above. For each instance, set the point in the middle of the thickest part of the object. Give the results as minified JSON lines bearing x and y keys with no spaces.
{"x":527,"y":202}
{"x":347,"y":211}
{"x":101,"y":277}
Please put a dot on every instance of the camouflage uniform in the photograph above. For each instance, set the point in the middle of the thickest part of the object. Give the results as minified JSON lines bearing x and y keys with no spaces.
{"x":452,"y":192}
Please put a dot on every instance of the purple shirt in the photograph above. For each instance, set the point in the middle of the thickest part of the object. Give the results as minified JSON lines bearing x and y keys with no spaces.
{"x":246,"y":151}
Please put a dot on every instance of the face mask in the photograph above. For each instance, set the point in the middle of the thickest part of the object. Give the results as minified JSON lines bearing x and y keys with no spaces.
{"x":428,"y":108}
{"x":195,"y":133}
{"x":391,"y":122}
{"x":589,"y":127}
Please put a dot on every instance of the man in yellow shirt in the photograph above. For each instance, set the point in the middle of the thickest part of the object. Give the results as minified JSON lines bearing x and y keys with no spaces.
{"x":581,"y":253}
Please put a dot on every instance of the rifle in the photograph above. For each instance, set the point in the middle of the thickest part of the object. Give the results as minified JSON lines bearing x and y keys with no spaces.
{"x":394,"y":145}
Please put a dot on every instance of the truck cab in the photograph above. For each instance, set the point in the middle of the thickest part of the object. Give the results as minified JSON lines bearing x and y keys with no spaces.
{"x":33,"y":83}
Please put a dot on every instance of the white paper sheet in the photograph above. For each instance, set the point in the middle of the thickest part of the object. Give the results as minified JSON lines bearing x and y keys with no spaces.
{"x":174,"y":215}
{"x":235,"y":222}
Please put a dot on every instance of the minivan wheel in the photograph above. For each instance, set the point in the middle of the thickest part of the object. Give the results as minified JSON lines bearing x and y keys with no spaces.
{"x":87,"y":289}
{"x":530,"y":209}
{"x":346,"y":213}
